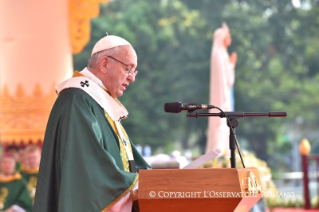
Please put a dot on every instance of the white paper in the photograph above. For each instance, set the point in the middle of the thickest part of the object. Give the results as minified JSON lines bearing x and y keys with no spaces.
{"x":203,"y":159}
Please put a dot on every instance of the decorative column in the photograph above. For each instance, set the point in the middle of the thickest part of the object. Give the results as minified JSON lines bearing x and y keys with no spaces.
{"x":304,"y":149}
{"x":37,"y":39}
{"x":35,"y":54}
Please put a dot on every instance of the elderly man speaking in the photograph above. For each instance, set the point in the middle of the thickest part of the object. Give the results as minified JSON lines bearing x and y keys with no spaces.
{"x":88,"y":161}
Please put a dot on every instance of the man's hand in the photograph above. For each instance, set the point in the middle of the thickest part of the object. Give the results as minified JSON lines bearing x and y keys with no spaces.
{"x":134,"y":195}
{"x":233,"y":58}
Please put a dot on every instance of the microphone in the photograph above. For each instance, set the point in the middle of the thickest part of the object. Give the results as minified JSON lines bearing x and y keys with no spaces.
{"x":177,"y":107}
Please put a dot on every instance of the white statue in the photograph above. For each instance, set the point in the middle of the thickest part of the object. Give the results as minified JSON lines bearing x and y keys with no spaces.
{"x":222,"y":78}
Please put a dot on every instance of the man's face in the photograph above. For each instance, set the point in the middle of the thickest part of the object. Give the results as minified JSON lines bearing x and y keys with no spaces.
{"x":117,"y":79}
{"x":7,"y":166}
{"x":33,"y":159}
{"x":14,"y":153}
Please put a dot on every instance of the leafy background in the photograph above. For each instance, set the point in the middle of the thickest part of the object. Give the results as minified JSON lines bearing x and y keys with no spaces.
{"x":277,"y":70}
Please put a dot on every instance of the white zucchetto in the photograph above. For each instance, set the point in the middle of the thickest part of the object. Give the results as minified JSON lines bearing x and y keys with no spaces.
{"x":108,"y":42}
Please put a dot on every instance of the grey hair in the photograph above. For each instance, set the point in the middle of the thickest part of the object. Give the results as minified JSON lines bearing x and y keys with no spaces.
{"x":96,"y":57}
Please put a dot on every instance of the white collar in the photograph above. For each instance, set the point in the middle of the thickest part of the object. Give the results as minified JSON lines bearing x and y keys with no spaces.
{"x":86,"y":72}
{"x":114,"y":109}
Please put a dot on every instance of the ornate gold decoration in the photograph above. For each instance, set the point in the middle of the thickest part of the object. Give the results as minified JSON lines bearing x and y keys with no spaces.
{"x":23,"y":118}
{"x":80,"y":13}
{"x":3,"y":196}
{"x":32,"y":186}
{"x":251,"y":184}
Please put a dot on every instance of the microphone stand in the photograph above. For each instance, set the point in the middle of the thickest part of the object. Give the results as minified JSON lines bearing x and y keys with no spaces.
{"x":232,"y":123}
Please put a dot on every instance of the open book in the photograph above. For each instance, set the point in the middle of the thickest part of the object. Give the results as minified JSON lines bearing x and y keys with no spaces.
{"x":203,"y":159}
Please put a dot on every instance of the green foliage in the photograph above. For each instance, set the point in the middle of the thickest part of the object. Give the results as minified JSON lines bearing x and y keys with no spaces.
{"x":277,"y":68}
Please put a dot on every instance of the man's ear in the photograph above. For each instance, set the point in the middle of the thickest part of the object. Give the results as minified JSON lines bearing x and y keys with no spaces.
{"x":104,"y":61}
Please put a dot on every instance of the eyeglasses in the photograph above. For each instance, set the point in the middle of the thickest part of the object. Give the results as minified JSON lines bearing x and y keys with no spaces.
{"x":129,"y":67}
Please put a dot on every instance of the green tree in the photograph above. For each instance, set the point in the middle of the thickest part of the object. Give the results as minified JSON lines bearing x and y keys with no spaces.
{"x":277,"y":68}
{"x":165,"y":37}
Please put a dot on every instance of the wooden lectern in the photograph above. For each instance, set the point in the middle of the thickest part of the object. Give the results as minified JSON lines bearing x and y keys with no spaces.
{"x":198,"y":190}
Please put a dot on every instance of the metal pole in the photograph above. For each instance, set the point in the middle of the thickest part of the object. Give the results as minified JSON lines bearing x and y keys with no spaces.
{"x":304,"y":159}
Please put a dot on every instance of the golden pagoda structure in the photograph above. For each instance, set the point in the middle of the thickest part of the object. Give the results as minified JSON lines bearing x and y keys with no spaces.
{"x":37,"y":39}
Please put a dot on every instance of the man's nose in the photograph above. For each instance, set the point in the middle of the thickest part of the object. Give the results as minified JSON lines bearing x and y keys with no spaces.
{"x":131,"y":77}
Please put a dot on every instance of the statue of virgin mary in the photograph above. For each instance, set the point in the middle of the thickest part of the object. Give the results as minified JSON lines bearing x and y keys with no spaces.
{"x":222,"y":78}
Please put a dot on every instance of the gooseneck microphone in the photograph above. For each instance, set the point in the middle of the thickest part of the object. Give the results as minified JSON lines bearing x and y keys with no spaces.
{"x":177,"y":107}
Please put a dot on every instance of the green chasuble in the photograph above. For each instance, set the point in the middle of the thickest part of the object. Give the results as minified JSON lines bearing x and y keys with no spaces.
{"x":18,"y":166}
{"x":14,"y":191}
{"x":81,"y":167}
{"x":31,"y":177}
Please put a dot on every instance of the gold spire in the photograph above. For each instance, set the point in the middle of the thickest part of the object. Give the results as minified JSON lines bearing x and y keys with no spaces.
{"x":80,"y":13}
